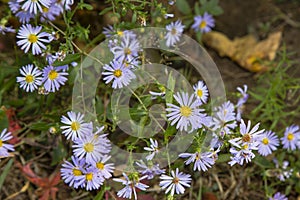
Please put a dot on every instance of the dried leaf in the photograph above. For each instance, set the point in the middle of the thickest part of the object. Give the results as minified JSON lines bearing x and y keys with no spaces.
{"x":246,"y":51}
{"x":46,"y":185}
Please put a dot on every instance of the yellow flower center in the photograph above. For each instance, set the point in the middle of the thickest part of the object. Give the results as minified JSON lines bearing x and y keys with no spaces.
{"x":45,"y":10}
{"x":100,"y":165}
{"x":75,"y":126}
{"x":120,"y":33}
{"x":173,"y":31}
{"x":199,"y":93}
{"x":127,"y":51}
{"x":32,"y":38}
{"x":202,"y":24}
{"x":76,"y":172}
{"x":245,"y":146}
{"x":52,"y":75}
{"x":185,"y":111}
{"x":265,"y":141}
{"x":117,"y":73}
{"x":1,"y":143}
{"x":290,"y":136}
{"x":88,"y":147}
{"x":246,"y":138}
{"x":29,"y":78}
{"x":89,"y":176}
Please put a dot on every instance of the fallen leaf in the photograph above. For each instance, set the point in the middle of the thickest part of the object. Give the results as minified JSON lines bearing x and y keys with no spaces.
{"x":246,"y":51}
{"x":46,"y":186}
{"x":13,"y":126}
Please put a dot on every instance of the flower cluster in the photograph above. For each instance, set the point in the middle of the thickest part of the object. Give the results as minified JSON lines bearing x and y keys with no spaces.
{"x":88,"y":168}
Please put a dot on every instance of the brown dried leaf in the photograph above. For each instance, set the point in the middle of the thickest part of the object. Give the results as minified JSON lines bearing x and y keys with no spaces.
{"x":246,"y":51}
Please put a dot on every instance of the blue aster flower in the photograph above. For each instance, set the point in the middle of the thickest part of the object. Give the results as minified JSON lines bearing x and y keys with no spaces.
{"x":50,"y":14}
{"x":153,"y":149}
{"x":53,"y":78}
{"x":71,"y":171}
{"x":203,"y":23}
{"x":92,"y":147}
{"x":4,"y":29}
{"x":201,"y":91}
{"x":175,"y":183}
{"x":34,"y":6}
{"x":30,"y":36}
{"x":131,"y":182}
{"x":291,"y":138}
{"x":24,"y":16}
{"x":30,"y":79}
{"x":268,"y":142}
{"x":150,"y":170}
{"x":278,"y":196}
{"x":187,"y":115}
{"x":202,"y":161}
{"x":14,"y":6}
{"x":174,"y":32}
{"x":105,"y":169}
{"x":4,"y":147}
{"x":241,"y":101}
{"x":224,"y":120}
{"x":239,"y":156}
{"x":118,"y":73}
{"x":128,"y":49}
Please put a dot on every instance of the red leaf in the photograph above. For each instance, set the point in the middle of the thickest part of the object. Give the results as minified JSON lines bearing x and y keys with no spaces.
{"x":13,"y":126}
{"x":46,"y":185}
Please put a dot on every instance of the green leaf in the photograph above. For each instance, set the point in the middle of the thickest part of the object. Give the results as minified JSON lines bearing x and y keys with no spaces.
{"x":69,"y":58}
{"x":58,"y":154}
{"x":183,"y":7}
{"x":263,"y":162}
{"x":5,"y":172}
{"x":85,"y":6}
{"x":41,"y":126}
{"x":197,"y":9}
{"x":170,"y":88}
{"x":105,"y":10}
{"x":223,"y":158}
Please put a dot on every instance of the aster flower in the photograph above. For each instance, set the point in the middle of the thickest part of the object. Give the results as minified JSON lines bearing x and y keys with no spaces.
{"x":49,"y":14}
{"x":53,"y":78}
{"x":75,"y":127}
{"x":203,"y":23}
{"x":282,"y":171}
{"x":32,"y":37}
{"x":92,"y":147}
{"x":30,"y":79}
{"x":4,"y":148}
{"x":64,"y":5}
{"x":105,"y":169}
{"x":278,"y":196}
{"x":118,"y":73}
{"x":109,"y":31}
{"x":4,"y":29}
{"x":291,"y":138}
{"x":131,"y":182}
{"x":90,"y":179}
{"x":128,"y":48}
{"x":248,"y":136}
{"x":268,"y":142}
{"x":34,"y":6}
{"x":239,"y":156}
{"x":24,"y":16}
{"x":71,"y":171}
{"x":150,"y":170}
{"x":201,"y":91}
{"x":174,"y":33}
{"x":224,"y":119}
{"x":153,"y":149}
{"x":176,"y":182}
{"x":202,"y":161}
{"x":187,"y":115}
{"x":241,"y":101}
{"x":14,"y":6}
